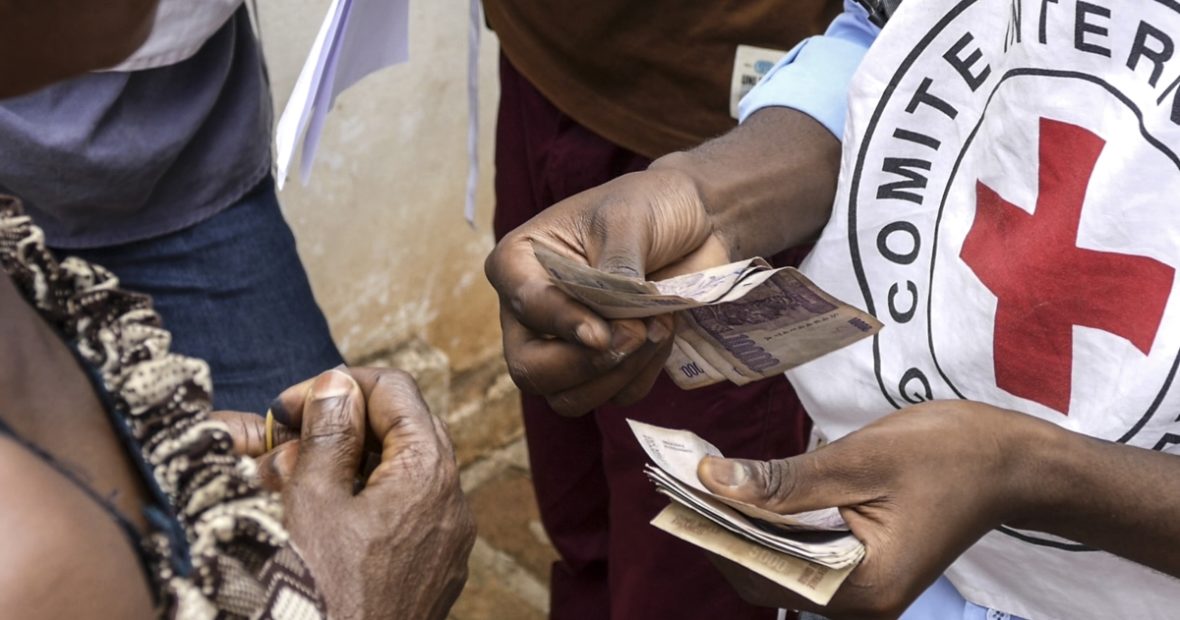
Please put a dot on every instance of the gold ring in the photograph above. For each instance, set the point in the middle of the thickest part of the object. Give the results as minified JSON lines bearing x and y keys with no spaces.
{"x":270,"y":430}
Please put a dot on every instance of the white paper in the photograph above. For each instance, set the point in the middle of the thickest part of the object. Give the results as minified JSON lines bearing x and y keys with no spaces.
{"x":474,"y":29}
{"x":357,"y":38}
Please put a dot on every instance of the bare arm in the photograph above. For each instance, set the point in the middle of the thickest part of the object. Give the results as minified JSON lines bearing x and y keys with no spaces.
{"x":1110,"y":496}
{"x":49,"y":40}
{"x":762,"y":188}
{"x":62,"y":555}
{"x":768,"y":185}
{"x":982,"y":467}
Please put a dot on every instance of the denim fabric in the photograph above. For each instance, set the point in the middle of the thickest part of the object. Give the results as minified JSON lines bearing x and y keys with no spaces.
{"x":232,"y":291}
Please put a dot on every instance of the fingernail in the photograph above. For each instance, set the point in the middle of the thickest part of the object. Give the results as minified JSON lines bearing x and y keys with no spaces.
{"x":657,"y":332}
{"x":624,"y":342}
{"x":279,"y":412}
{"x":585,"y":335}
{"x":331,"y":384}
{"x":727,"y":472}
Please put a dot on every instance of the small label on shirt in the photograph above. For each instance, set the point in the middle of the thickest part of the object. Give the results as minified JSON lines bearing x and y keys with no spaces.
{"x":816,"y":441}
{"x":750,"y":65}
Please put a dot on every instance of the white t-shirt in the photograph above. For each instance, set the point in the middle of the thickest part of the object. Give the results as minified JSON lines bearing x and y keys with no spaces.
{"x":1007,"y":207}
{"x":180,"y":29}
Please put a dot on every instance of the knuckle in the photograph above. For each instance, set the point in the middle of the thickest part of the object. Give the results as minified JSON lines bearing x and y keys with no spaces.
{"x":397,"y":379}
{"x":777,"y":478}
{"x":567,"y":405}
{"x":328,"y":431}
{"x":333,"y":449}
{"x":491,"y":265}
{"x":402,"y":386}
{"x":514,"y":304}
{"x":599,"y":363}
{"x":600,"y":223}
{"x":522,"y":375}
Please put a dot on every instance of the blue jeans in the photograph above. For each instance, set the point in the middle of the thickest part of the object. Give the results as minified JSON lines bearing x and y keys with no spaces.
{"x":232,"y":291}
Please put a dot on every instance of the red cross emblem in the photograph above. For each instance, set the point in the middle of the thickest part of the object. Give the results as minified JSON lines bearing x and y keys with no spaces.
{"x":1045,"y":284}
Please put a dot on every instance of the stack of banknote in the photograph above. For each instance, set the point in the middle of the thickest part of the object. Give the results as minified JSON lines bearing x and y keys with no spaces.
{"x":738,"y":322}
{"x":809,"y":553}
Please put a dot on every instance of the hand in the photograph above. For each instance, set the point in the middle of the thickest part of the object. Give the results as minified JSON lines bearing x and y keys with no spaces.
{"x":398,"y":548}
{"x":739,"y":196}
{"x":562,"y":350}
{"x":917,"y":487}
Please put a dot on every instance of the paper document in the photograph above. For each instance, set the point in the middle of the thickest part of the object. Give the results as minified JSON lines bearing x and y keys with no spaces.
{"x":357,"y":38}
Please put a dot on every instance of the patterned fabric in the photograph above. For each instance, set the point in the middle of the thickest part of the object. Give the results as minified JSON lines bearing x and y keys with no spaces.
{"x":221,"y":551}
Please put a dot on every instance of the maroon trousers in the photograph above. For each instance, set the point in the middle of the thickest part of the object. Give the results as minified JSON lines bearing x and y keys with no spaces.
{"x":595,"y":502}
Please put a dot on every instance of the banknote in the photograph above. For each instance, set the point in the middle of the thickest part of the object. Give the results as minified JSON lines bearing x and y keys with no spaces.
{"x":811,"y":553}
{"x":738,"y":322}
{"x":814,"y":582}
{"x":783,"y":323}
{"x":677,"y":453}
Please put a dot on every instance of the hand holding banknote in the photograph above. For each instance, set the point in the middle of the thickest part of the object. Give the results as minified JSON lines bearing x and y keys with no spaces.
{"x":917,"y":487}
{"x":559,"y":348}
{"x":739,"y":322}
{"x":736,"y":197}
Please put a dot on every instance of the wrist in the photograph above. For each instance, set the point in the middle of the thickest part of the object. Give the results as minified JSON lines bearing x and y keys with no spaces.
{"x":766,"y":186}
{"x":1040,"y":469}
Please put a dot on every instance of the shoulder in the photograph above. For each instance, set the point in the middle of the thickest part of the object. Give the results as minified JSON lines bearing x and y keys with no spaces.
{"x":63,"y":555}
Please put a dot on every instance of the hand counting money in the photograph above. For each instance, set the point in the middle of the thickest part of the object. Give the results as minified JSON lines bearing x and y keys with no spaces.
{"x":810,"y":553}
{"x":738,"y":322}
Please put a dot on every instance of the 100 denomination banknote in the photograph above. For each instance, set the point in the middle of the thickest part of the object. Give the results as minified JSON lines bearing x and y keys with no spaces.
{"x":738,"y":322}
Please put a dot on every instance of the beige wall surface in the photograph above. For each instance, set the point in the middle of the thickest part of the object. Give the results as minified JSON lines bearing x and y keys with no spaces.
{"x":399,"y":273}
{"x":380,"y":226}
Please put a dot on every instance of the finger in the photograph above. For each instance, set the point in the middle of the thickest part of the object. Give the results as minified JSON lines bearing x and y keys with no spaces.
{"x":276,"y":467}
{"x":248,"y":431}
{"x":622,"y":241}
{"x":409,"y":435}
{"x":639,"y":387}
{"x":332,"y":434}
{"x":287,"y":407}
{"x":547,"y":365}
{"x":806,"y":482}
{"x":650,"y":219}
{"x":584,"y":398}
{"x":711,"y":254}
{"x":527,"y":292}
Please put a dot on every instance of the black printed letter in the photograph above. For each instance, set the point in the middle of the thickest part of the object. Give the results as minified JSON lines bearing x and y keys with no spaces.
{"x":1082,"y":27}
{"x":1140,"y":49}
{"x":963,"y":65}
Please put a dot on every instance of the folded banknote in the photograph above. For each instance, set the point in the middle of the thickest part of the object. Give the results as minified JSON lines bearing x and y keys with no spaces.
{"x":738,"y":322}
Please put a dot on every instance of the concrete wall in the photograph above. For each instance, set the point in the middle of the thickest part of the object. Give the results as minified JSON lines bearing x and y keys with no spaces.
{"x":399,"y":273}
{"x":380,"y":226}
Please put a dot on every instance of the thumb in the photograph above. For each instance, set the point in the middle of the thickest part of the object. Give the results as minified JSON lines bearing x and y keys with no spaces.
{"x":622,"y":246}
{"x":276,"y":467}
{"x":332,"y":434}
{"x":778,"y":486}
